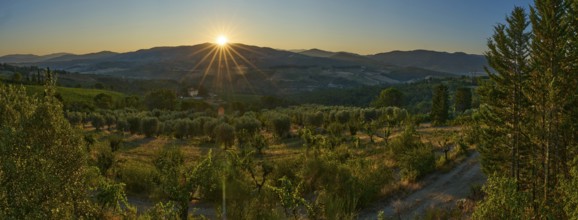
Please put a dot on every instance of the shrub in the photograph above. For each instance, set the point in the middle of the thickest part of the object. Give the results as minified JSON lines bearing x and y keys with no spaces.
{"x":135,"y":124}
{"x":150,"y":126}
{"x":104,"y":161}
{"x":181,"y":128}
{"x":97,"y":121}
{"x":281,"y":125}
{"x":115,"y":142}
{"x":224,"y":135}
{"x":138,"y":177}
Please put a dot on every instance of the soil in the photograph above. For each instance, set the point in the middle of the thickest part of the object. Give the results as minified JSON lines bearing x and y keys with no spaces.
{"x":440,"y":190}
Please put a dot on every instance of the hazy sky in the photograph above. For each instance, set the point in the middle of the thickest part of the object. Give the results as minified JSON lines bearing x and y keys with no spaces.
{"x":360,"y":26}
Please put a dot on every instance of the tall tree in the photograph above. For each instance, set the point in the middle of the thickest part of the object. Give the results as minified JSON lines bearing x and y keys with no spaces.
{"x":528,"y":114}
{"x":550,"y":89}
{"x":440,"y":105}
{"x":503,"y":100}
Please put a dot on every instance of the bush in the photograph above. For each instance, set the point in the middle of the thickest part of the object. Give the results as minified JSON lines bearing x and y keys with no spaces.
{"x":104,"y":161}
{"x":150,"y":126}
{"x":417,"y":162}
{"x":115,"y":142}
{"x":503,"y":200}
{"x":138,"y":177}
{"x":224,"y":135}
{"x":250,"y":124}
{"x":135,"y":124}
{"x":181,"y":128}
{"x":97,"y":121}
{"x":122,"y":125}
{"x":281,"y":125}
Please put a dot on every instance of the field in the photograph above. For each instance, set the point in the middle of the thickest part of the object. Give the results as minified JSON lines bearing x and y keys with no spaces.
{"x":382,"y":160}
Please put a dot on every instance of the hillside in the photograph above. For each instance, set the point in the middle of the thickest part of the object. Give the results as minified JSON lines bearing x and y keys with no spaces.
{"x":262,"y":70}
{"x":456,"y":63}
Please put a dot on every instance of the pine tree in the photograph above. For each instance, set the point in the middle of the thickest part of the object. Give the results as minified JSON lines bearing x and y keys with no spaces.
{"x":550,"y":90}
{"x":503,"y":100}
{"x":528,"y":115}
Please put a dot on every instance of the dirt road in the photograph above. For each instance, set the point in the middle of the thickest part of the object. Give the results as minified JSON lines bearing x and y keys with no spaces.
{"x":440,"y":190}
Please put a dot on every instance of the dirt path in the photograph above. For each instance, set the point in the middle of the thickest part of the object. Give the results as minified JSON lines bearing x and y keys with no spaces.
{"x":440,"y":190}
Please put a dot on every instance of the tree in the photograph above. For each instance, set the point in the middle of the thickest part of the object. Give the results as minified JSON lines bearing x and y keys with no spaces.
{"x":17,"y":77}
{"x":42,"y":159}
{"x":97,"y":121}
{"x":182,"y":184}
{"x":224,"y":135}
{"x":281,"y":125}
{"x":389,"y":97}
{"x":150,"y":126}
{"x":440,"y":105}
{"x":552,"y":91}
{"x":463,"y":99}
{"x":98,"y":86}
{"x":527,"y":113}
{"x":503,"y":100}
{"x":134,"y":124}
{"x":161,"y":99}
{"x":103,"y":101}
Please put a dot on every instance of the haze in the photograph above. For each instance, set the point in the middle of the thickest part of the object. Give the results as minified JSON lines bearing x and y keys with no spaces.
{"x":365,"y":27}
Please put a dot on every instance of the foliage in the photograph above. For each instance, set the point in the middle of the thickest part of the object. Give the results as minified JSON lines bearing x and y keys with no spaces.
{"x":150,"y":126}
{"x":182,"y":184}
{"x":103,"y":100}
{"x":440,"y":105}
{"x":503,"y":200}
{"x":526,"y":127}
{"x":463,"y":99}
{"x":389,"y":97}
{"x":161,"y":99}
{"x":224,"y":135}
{"x":40,"y":154}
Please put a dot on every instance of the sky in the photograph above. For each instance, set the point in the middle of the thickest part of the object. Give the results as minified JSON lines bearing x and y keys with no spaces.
{"x":360,"y":26}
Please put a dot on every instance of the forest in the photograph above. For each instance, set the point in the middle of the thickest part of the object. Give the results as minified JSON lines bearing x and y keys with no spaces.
{"x":71,"y":152}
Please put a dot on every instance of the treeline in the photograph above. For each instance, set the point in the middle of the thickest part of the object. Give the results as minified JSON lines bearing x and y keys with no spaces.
{"x":417,"y":96}
{"x":528,"y":119}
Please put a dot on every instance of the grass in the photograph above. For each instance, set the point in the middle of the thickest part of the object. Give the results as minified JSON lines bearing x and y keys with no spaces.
{"x":75,"y":94}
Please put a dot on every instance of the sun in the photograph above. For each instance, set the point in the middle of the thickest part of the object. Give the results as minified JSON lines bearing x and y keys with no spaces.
{"x":222,"y":40}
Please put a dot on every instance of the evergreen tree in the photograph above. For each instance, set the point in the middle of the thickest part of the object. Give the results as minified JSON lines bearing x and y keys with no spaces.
{"x":550,"y":91}
{"x":503,"y":100}
{"x":528,"y":115}
{"x":440,"y":105}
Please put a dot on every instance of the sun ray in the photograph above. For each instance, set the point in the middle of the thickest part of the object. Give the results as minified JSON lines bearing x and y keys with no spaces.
{"x":251,"y":64}
{"x":202,"y":59}
{"x":208,"y":68}
{"x":242,"y":75}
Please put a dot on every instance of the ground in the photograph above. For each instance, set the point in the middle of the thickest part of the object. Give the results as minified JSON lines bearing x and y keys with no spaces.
{"x":439,"y":190}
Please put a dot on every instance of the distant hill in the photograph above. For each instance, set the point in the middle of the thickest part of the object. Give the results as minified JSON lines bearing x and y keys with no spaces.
{"x":29,"y":58}
{"x":261,"y":69}
{"x":456,"y":63}
{"x":317,"y":53}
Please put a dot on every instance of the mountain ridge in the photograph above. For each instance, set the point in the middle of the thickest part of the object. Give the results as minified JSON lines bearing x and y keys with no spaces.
{"x":263,"y":67}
